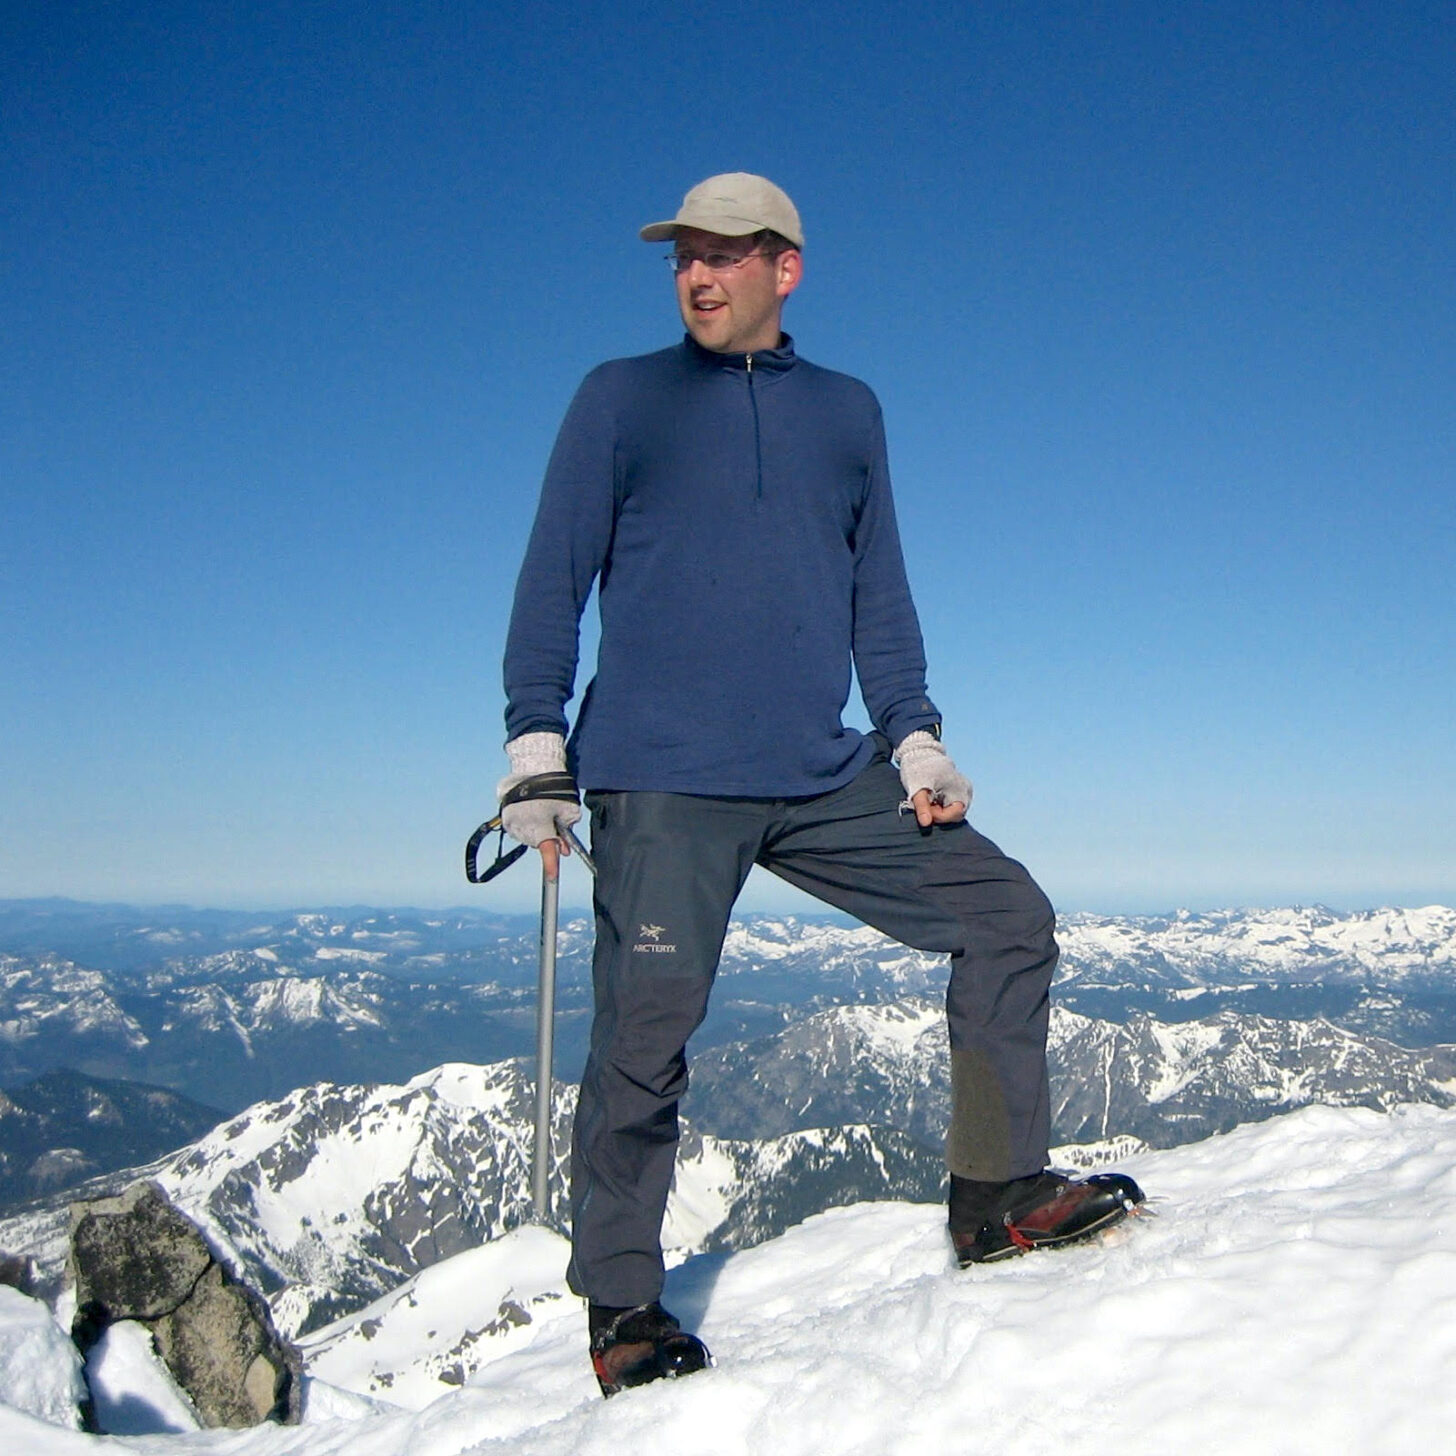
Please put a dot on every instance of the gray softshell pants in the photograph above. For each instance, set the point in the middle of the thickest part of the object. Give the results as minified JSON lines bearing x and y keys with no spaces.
{"x":669,"y":867}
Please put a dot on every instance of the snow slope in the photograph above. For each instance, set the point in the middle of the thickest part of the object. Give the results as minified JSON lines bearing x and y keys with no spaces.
{"x":1297,"y":1294}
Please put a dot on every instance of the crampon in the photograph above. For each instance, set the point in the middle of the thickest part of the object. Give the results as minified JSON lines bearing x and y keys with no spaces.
{"x":1048,"y":1211}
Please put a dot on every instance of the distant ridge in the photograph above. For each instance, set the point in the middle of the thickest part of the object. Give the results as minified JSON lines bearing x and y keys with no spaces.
{"x":65,"y":1127}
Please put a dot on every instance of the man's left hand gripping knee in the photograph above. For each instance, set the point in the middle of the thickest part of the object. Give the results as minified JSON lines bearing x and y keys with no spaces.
{"x":934,"y":788}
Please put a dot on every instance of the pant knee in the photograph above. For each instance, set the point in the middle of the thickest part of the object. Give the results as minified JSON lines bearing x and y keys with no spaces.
{"x":1018,"y":930}
{"x":1040,"y":919}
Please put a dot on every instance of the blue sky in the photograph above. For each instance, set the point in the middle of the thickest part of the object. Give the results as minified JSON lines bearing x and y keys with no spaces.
{"x":1158,"y":300}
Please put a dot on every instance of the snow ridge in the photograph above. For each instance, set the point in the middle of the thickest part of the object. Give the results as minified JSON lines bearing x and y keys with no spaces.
{"x":1257,"y":1313}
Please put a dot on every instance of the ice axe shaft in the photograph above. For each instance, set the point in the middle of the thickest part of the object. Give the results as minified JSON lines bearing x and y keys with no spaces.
{"x":541,"y":786}
{"x":545,"y":1030}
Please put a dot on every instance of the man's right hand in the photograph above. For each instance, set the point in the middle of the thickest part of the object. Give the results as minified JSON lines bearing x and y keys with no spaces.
{"x":538,"y":822}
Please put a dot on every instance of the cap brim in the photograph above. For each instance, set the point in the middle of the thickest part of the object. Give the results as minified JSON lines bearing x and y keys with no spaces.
{"x":723,"y":227}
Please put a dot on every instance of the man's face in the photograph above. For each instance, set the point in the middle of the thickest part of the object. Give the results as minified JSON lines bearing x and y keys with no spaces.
{"x":733,"y":310}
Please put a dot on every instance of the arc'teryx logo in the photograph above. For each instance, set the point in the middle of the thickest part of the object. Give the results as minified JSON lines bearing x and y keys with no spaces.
{"x":649,"y":941}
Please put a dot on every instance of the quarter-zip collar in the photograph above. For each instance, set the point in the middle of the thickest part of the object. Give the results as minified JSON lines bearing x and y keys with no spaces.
{"x":758,"y":369}
{"x":764,"y":363}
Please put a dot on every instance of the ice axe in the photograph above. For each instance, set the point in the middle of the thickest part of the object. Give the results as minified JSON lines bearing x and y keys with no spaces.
{"x":540,"y":786}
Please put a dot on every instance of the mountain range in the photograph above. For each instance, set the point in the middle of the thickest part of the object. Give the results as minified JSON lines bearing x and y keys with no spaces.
{"x":1163,"y":1083}
{"x":230,"y":1009}
{"x":817,"y":1024}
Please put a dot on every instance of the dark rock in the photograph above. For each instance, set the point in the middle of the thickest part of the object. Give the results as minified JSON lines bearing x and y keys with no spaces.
{"x":135,"y":1253}
{"x":135,"y":1257}
{"x":18,"y":1271}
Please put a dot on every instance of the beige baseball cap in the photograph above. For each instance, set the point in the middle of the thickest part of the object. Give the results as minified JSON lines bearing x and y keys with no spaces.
{"x":732,"y":204}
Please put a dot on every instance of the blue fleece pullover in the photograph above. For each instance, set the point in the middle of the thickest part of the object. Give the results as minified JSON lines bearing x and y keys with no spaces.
{"x":737,"y":510}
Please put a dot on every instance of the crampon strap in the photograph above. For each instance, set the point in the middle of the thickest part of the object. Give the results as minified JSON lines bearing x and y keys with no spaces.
{"x":560,"y":786}
{"x":1016,"y":1236}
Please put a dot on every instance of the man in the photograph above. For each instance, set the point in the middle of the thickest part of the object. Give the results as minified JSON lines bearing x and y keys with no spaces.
{"x":732,"y":501}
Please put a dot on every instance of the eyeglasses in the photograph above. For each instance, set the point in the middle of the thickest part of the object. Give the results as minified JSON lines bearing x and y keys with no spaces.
{"x":713,"y":262}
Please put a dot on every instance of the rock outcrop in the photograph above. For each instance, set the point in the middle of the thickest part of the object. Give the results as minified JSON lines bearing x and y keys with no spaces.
{"x":135,"y":1257}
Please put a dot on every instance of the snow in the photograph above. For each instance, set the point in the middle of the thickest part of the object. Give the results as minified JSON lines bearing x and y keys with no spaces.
{"x":701,"y":1197}
{"x":897,"y":1027}
{"x":1183,"y":1046}
{"x":133,"y":1391}
{"x":1296,"y":1293}
{"x":40,"y":1371}
{"x":483,"y":1303}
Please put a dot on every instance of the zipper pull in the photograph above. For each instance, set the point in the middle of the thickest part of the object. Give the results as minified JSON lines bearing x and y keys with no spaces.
{"x":748,"y":363}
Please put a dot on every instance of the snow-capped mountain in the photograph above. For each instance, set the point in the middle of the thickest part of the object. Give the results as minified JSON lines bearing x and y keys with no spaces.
{"x":140,"y":940}
{"x":334,"y":1195}
{"x":1159,"y":1082}
{"x":50,"y":1000}
{"x":1169,"y":1084}
{"x":1257,"y":1313}
{"x":891,"y":1059}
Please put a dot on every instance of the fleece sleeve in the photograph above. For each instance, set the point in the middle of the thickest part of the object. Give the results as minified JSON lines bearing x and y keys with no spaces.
{"x":889,"y":654}
{"x":568,"y":544}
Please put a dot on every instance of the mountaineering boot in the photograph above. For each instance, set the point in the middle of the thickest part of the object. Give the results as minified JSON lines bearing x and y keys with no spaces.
{"x":1000,"y":1220}
{"x":635,"y":1346}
